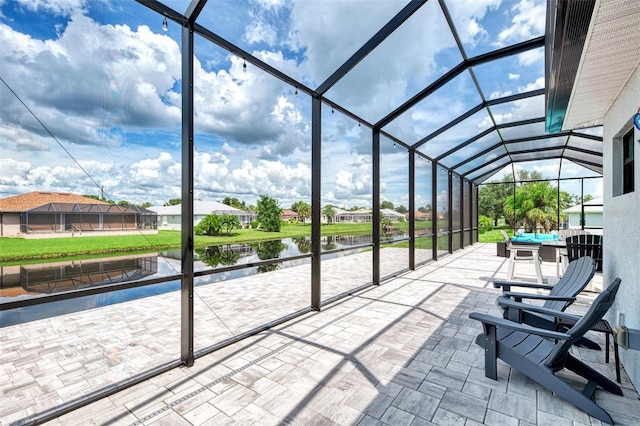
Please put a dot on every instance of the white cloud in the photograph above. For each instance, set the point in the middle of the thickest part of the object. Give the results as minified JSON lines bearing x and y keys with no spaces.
{"x":248,"y":108}
{"x":499,"y":119}
{"x":325,"y":49}
{"x":58,"y":7}
{"x":271,"y":4}
{"x":498,"y":94}
{"x":538,"y":84}
{"x":528,"y":22}
{"x":279,"y":180}
{"x":21,"y":139}
{"x":13,"y":172}
{"x":377,"y":84}
{"x":443,"y":200}
{"x":353,"y":185}
{"x":103,"y":86}
{"x":258,"y":31}
{"x":152,"y":171}
{"x":467,"y":16}
{"x":548,"y":168}
{"x":531,"y":57}
{"x":228,"y":149}
{"x":79,"y":98}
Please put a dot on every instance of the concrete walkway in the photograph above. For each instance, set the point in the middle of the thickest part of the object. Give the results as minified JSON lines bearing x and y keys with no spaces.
{"x":401,"y":353}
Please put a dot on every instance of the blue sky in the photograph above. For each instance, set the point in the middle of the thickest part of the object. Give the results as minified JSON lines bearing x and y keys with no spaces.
{"x":104,"y":79}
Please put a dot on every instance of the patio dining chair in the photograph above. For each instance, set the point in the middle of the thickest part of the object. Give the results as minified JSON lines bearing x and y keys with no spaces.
{"x":585,"y":245}
{"x":542,"y":354}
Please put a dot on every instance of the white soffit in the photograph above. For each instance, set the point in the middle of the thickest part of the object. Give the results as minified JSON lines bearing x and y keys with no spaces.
{"x":611,"y":54}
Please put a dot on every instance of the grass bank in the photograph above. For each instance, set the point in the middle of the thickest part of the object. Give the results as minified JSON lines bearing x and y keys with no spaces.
{"x":19,"y":250}
{"x":494,"y":235}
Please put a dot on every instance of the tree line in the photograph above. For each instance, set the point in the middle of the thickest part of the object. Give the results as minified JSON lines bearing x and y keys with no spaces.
{"x":267,"y":209}
{"x":533,"y":204}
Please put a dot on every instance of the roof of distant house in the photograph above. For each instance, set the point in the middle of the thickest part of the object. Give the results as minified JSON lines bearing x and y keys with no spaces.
{"x":31,"y":200}
{"x":389,"y":212}
{"x":342,"y":212}
{"x":199,"y":208}
{"x":591,"y":206}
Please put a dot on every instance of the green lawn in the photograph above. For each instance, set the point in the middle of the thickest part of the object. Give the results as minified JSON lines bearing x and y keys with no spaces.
{"x":494,"y":235}
{"x":20,"y":251}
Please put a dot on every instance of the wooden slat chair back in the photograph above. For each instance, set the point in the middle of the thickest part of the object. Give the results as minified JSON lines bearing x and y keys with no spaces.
{"x":585,"y":245}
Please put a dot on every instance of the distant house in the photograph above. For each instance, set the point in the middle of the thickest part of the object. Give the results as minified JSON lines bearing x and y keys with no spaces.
{"x":592,"y":214}
{"x":170,"y":217}
{"x":59,"y":212}
{"x":353,"y":216}
{"x":392,"y":215}
{"x":423,"y":216}
{"x":288,"y":214}
{"x":364,"y":215}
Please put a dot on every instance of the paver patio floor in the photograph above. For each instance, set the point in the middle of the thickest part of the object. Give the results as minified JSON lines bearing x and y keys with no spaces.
{"x":401,"y":353}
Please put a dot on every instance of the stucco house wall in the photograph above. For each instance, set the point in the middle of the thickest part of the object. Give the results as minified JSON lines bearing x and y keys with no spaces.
{"x":10,"y":224}
{"x":591,"y":220}
{"x":622,"y":220}
{"x":170,"y":217}
{"x":592,"y":214}
{"x":170,"y":222}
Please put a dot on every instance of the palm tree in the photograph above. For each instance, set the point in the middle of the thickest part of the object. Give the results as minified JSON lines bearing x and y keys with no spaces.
{"x":229,"y":222}
{"x":329,"y":212}
{"x":304,"y":211}
{"x":535,"y":206}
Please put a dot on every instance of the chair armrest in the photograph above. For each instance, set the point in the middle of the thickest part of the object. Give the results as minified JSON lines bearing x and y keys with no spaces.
{"x":507,"y":284}
{"x":501,"y":322}
{"x":510,"y":304}
{"x":515,"y":295}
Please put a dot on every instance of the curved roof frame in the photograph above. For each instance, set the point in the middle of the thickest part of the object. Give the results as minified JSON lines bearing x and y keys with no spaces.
{"x":562,"y":150}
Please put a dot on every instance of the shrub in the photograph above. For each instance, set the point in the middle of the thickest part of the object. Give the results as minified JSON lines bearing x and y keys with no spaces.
{"x":269,"y":214}
{"x":485,"y":223}
{"x":229,"y":222}
{"x":210,"y":225}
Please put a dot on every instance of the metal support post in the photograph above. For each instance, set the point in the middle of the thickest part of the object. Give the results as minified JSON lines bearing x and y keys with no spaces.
{"x":412,"y":209}
{"x":450,"y":208}
{"x":316,"y":188}
{"x":376,"y":205}
{"x":434,"y":211}
{"x":186,"y":286}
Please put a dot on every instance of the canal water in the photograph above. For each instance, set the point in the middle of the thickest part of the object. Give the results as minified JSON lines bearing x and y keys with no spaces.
{"x":36,"y":280}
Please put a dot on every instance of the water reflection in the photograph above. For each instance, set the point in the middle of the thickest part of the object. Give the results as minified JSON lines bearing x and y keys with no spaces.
{"x":28,"y":281}
{"x":57,"y":277}
{"x":219,"y":255}
{"x":267,"y":250}
{"x":303,"y":243}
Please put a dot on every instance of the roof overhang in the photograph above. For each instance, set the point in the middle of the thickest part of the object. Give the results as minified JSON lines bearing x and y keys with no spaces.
{"x":567,"y":26}
{"x":609,"y":56}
